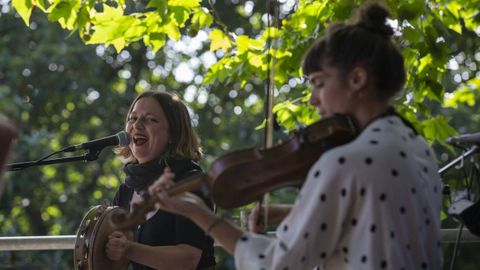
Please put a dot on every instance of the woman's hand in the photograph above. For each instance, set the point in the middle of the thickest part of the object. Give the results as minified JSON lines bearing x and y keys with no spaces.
{"x":275,"y":213}
{"x":255,"y":220}
{"x":117,"y":246}
{"x":185,"y":204}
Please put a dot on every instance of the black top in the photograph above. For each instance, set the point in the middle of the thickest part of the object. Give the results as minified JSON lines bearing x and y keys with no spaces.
{"x":166,"y":229}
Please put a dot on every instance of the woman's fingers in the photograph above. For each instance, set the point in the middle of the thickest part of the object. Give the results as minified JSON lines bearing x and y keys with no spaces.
{"x":115,"y":246}
{"x":255,"y":223}
{"x":115,"y":234}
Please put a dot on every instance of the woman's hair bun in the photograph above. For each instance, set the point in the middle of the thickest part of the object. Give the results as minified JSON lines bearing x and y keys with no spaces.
{"x":374,"y":17}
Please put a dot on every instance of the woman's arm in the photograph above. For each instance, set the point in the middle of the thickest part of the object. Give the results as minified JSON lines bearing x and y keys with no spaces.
{"x":180,"y":256}
{"x":194,"y":208}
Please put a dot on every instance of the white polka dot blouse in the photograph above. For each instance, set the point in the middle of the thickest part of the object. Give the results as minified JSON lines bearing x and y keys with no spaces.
{"x":373,"y":203}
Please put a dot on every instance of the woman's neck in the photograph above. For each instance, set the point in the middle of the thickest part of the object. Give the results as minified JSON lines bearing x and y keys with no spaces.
{"x":369,"y":112}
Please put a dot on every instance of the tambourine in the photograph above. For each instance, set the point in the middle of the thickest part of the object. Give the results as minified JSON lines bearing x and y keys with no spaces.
{"x":92,"y":236}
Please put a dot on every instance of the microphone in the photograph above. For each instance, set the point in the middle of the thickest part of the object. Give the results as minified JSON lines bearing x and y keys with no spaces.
{"x":120,"y":139}
{"x":473,"y":138}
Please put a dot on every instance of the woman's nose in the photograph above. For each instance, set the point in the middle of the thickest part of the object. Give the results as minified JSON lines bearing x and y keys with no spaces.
{"x":314,"y":100}
{"x":138,"y":124}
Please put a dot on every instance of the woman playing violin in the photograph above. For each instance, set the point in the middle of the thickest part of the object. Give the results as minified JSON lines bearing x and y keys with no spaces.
{"x":161,"y":135}
{"x":373,"y":203}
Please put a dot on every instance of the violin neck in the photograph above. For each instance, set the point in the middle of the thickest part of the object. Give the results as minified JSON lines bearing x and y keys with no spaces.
{"x":192,"y":183}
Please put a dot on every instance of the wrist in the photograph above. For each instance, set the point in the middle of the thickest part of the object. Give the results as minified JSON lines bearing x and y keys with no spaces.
{"x":199,"y":215}
{"x":213,"y":224}
{"x":129,"y":246}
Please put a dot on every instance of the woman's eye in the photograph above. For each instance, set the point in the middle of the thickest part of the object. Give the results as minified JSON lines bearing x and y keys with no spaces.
{"x":318,"y":84}
{"x":132,"y":119}
{"x":152,"y":120}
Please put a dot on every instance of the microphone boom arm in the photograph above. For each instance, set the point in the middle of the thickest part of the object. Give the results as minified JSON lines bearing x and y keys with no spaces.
{"x":89,"y":156}
{"x":469,"y":152}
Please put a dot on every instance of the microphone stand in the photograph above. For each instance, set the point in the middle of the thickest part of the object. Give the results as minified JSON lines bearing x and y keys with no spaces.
{"x":91,"y":155}
{"x":468,"y":153}
{"x":446,"y":191}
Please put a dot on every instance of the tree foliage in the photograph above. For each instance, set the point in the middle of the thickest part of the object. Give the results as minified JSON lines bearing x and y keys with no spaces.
{"x":430,"y":33}
{"x":70,"y":75}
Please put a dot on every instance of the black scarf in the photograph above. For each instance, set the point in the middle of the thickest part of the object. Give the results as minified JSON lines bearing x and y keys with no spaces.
{"x":140,"y":176}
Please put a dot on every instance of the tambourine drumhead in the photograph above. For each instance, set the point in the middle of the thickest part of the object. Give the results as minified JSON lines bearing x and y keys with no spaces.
{"x":92,"y":236}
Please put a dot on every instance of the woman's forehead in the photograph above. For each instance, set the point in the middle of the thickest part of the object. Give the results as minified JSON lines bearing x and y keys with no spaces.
{"x":147,"y":104}
{"x":315,"y":74}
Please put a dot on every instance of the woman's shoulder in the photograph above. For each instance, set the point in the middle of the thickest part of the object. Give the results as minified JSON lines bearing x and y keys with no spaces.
{"x":378,"y":138}
{"x":184,"y":168}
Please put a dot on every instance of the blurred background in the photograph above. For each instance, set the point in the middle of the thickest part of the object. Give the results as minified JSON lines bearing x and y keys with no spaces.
{"x":62,"y":83}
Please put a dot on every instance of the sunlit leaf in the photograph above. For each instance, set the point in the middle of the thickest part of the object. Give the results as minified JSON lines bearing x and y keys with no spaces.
{"x":454,"y":7}
{"x":108,"y":14}
{"x":461,"y":96}
{"x":219,"y":40}
{"x":424,"y":62}
{"x":203,"y":18}
{"x":184,"y":3}
{"x":242,"y":43}
{"x":438,"y":129}
{"x":53,"y":211}
{"x":119,"y":44}
{"x":155,"y":40}
{"x":456,"y":27}
{"x":172,"y":31}
{"x":255,"y":60}
{"x":40,"y":4}
{"x":179,"y":14}
{"x":64,"y":12}
{"x":158,"y":4}
{"x":112,"y":31}
{"x":24,"y":9}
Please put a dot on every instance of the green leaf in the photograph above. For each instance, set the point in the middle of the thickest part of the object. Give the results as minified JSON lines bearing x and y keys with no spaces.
{"x":456,"y":27}
{"x":179,"y":14}
{"x":461,"y":96}
{"x":160,"y":5}
{"x":155,"y":40}
{"x":119,"y":44}
{"x":109,"y":13}
{"x":438,"y":129}
{"x":40,"y":4}
{"x":202,"y":18}
{"x":454,"y":7}
{"x":242,"y":43}
{"x":172,"y":30}
{"x":109,"y":31}
{"x":53,"y":211}
{"x":255,"y":59}
{"x":64,"y":12}
{"x":411,"y":10}
{"x":184,"y":3}
{"x":24,"y":9}
{"x":135,"y":32}
{"x":219,"y":41}
{"x":464,"y":95}
{"x":424,"y":62}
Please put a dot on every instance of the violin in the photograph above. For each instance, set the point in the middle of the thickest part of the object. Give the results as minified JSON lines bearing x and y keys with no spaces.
{"x":241,"y":177}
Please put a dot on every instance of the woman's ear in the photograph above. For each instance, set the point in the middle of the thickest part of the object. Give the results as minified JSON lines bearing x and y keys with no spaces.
{"x":358,"y":79}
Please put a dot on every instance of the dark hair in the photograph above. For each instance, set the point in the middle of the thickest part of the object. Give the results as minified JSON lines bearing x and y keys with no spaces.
{"x":184,"y":142}
{"x":366,"y":42}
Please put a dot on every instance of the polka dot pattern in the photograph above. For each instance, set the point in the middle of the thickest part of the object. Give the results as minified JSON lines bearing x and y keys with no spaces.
{"x":375,"y":170}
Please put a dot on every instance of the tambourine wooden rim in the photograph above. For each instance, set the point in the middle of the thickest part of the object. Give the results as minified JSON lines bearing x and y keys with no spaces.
{"x":92,"y":235}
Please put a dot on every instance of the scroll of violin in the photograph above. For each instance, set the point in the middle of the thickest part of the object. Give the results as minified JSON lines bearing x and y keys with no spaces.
{"x":243,"y":176}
